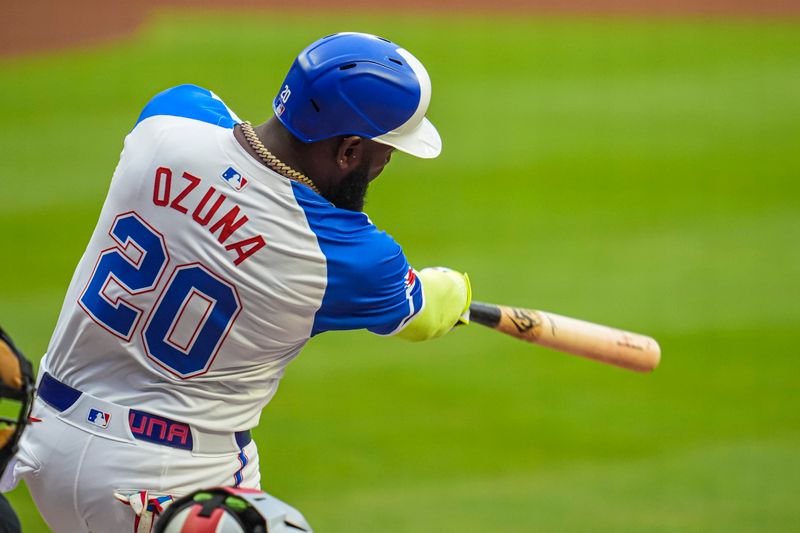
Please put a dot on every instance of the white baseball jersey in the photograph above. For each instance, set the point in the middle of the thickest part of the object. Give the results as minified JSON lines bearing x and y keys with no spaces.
{"x":208,"y":272}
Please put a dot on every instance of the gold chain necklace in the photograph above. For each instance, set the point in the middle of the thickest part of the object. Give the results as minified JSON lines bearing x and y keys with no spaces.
{"x":271,"y":161}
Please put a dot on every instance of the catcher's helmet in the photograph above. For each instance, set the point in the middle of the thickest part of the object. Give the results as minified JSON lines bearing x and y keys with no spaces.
{"x":359,"y":84}
{"x":230,"y":510}
{"x":16,"y":383}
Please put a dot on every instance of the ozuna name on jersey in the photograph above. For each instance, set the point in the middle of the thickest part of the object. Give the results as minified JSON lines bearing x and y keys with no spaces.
{"x":178,"y":193}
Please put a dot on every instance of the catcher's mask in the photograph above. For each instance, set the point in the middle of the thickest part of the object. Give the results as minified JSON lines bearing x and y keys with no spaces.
{"x":231,"y":510}
{"x":16,"y":384}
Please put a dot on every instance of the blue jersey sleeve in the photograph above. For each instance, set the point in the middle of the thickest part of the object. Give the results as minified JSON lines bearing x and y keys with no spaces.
{"x":190,"y":101}
{"x":370,"y":284}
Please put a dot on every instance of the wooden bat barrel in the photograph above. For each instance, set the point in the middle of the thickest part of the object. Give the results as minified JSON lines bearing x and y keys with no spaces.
{"x":578,"y":337}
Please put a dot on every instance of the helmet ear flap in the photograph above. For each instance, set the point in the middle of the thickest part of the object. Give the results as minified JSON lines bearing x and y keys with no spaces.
{"x":208,"y":511}
{"x":231,"y":510}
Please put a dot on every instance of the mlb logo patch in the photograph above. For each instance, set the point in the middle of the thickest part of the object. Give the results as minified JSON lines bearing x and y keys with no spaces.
{"x":234,"y":178}
{"x":98,"y":418}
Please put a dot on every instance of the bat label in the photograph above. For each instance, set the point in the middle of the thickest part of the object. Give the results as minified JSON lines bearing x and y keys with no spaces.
{"x":626,"y":341}
{"x":523,"y":320}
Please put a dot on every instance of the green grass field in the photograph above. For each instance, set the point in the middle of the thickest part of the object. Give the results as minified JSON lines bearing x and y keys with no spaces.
{"x":638,"y":173}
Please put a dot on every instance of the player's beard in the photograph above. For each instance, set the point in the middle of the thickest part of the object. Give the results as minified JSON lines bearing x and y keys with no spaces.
{"x":351,"y":193}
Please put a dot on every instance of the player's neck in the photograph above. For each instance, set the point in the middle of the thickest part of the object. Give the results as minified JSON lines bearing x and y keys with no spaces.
{"x":290,"y":151}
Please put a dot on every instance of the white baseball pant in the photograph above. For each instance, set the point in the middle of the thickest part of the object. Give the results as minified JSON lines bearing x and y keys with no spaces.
{"x":73,"y":466}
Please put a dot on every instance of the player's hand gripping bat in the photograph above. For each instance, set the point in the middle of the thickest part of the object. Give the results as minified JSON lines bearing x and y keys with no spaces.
{"x":601,"y":343}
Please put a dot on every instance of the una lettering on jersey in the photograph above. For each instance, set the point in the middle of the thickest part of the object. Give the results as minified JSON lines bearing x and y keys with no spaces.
{"x":178,"y":194}
{"x":147,"y":426}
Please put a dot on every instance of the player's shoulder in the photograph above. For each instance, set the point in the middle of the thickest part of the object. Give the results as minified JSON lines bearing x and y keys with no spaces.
{"x":191,"y":102}
{"x":345,"y":236}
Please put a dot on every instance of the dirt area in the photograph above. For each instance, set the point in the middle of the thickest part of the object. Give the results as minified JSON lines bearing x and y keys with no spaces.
{"x":28,"y":26}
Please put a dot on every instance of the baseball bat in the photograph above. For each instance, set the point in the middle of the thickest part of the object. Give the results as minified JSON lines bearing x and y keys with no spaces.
{"x":594,"y":341}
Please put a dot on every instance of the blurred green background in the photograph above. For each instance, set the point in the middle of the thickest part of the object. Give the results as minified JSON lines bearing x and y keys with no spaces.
{"x":640,"y":173}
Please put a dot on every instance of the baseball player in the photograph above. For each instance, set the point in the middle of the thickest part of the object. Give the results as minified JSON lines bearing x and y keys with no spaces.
{"x":16,"y":388}
{"x":221,"y":249}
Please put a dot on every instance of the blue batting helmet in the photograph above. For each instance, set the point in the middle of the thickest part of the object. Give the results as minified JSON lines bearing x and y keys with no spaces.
{"x":359,"y":84}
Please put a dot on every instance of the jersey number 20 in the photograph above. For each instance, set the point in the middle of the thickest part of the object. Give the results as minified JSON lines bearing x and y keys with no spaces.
{"x":191,"y":317}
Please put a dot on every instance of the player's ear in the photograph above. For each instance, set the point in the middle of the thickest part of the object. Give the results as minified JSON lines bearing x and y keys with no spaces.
{"x":350,"y":152}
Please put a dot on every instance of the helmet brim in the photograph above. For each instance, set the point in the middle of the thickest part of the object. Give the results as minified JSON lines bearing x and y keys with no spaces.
{"x":423,"y":141}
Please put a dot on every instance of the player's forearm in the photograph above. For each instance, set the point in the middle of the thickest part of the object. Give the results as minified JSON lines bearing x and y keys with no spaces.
{"x":447,"y":296}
